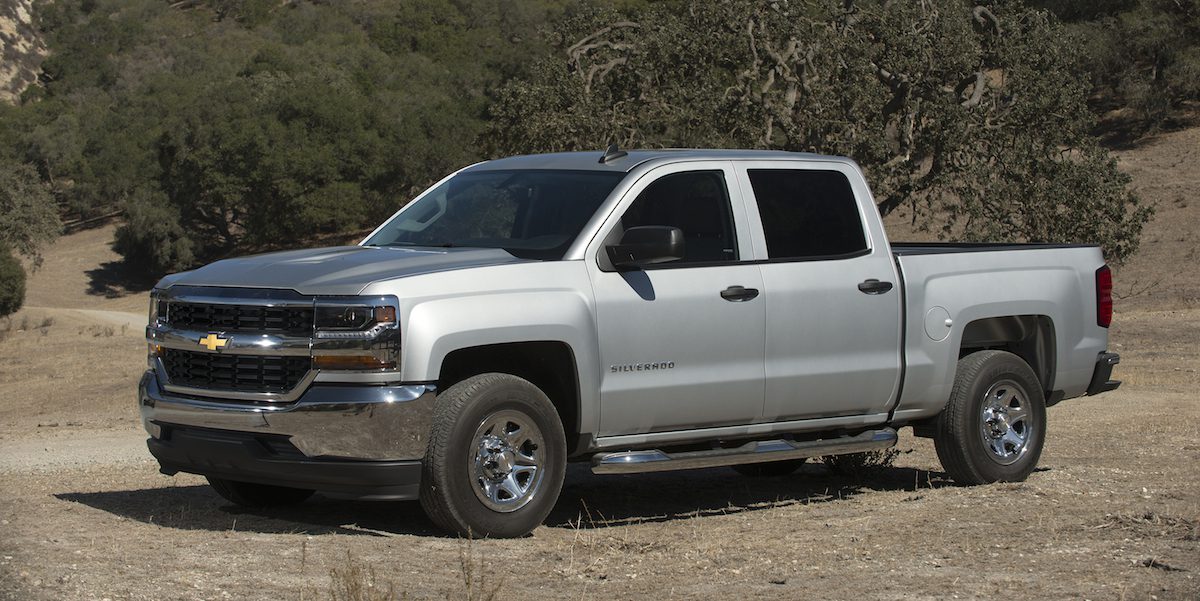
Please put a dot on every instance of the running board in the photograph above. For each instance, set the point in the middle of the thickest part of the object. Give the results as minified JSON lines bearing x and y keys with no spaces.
{"x":653,"y":460}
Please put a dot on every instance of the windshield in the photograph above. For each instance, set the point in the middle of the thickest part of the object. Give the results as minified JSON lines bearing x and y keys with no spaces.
{"x":531,"y":214}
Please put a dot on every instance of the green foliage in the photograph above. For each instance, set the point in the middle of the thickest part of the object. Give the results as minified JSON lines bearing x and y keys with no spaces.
{"x":152,"y":235}
{"x":227,"y":125}
{"x":1141,"y":54}
{"x":28,"y":216}
{"x":223,"y":126}
{"x":971,"y":119}
{"x":12,"y":283}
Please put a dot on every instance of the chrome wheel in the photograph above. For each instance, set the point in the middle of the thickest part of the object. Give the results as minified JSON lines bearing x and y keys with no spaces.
{"x":506,"y":465}
{"x":1005,"y":422}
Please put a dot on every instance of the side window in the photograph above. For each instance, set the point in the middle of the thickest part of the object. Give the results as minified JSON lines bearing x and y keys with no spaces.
{"x":807,"y":213}
{"x":696,"y":202}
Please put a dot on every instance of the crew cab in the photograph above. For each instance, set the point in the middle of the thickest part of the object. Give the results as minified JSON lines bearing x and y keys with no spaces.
{"x":641,"y":310}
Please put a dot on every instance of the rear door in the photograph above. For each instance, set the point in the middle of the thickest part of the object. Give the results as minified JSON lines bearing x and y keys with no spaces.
{"x":676,"y":353}
{"x":831,"y":289}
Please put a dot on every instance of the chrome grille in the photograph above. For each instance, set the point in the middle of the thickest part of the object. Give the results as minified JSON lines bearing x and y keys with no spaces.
{"x":245,"y":373}
{"x":295,"y":320}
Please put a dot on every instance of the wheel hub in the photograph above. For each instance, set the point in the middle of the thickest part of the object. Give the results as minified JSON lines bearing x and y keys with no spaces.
{"x":506,"y":461}
{"x":997,"y":422}
{"x":1005,"y":422}
{"x":497,"y":457}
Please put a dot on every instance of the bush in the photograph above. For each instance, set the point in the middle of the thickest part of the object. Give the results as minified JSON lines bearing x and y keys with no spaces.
{"x":1141,"y":54}
{"x":12,"y":283}
{"x":28,"y":214}
{"x":151,"y":238}
{"x":857,"y":465}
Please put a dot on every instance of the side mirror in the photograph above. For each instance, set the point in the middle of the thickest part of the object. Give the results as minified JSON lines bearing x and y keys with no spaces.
{"x":646,"y":245}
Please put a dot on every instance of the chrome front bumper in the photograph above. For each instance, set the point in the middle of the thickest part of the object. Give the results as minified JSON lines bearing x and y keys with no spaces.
{"x":367,"y":423}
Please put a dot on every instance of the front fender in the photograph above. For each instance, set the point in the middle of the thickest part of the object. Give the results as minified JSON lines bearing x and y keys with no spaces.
{"x":437,"y":327}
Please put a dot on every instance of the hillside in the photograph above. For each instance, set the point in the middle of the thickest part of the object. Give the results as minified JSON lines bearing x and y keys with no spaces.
{"x":21,"y":49}
{"x":1165,"y":272}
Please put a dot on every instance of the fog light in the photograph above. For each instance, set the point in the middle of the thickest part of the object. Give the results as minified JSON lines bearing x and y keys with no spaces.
{"x":352,"y":362}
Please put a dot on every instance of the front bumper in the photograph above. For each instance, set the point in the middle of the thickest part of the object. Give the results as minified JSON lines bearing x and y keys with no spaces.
{"x":360,"y":440}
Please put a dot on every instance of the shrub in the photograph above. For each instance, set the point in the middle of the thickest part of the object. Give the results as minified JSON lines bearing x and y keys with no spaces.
{"x":151,"y":238}
{"x":12,"y":283}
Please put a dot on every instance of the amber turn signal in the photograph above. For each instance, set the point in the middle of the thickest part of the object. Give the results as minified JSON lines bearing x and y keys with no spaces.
{"x":358,"y":362}
{"x":385,"y":315}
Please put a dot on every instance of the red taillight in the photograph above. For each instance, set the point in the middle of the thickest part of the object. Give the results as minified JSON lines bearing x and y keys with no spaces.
{"x":1104,"y":308}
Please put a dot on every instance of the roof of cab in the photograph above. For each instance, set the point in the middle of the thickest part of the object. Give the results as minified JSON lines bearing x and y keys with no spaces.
{"x":590,"y":161}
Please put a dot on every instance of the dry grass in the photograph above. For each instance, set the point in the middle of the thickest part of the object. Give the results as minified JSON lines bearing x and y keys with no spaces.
{"x":79,"y":271}
{"x":61,"y":367}
{"x":357,"y":581}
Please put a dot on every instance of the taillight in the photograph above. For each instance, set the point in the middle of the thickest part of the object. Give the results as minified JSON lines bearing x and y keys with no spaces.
{"x":1104,"y":307}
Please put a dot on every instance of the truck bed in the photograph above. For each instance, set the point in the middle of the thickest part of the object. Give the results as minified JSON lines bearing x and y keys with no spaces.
{"x":960,"y":283}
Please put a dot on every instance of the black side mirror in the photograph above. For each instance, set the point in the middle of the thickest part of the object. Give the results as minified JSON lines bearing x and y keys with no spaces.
{"x":646,"y":245}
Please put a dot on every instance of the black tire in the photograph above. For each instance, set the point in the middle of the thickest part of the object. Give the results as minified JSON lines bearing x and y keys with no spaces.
{"x":996,"y":402}
{"x":769,"y":469}
{"x":487,"y":432}
{"x":249,"y":494}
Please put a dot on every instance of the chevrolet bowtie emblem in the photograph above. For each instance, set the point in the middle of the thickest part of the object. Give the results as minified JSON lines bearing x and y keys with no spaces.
{"x":213,"y":342}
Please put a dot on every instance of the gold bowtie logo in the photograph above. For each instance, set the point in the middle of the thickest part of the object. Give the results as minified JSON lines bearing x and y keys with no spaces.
{"x":213,"y":342}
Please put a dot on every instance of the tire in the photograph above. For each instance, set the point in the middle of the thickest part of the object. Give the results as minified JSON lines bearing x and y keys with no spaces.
{"x":496,"y":458}
{"x":248,"y":494}
{"x":994,"y":426}
{"x":769,"y":469}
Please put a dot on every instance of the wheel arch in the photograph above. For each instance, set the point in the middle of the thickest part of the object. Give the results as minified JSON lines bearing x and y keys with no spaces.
{"x":1030,"y":337}
{"x":551,"y":365}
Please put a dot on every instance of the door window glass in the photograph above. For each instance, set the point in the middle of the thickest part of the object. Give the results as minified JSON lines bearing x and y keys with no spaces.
{"x":696,"y":202}
{"x":807,"y":213}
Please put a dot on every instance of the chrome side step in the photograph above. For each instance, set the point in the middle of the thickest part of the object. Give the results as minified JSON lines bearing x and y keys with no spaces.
{"x":630,"y":462}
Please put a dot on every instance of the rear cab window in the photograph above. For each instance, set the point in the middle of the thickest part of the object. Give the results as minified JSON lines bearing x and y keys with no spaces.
{"x":808,"y":214}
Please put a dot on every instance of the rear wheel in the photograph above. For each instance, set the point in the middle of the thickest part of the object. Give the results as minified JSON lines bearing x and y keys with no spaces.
{"x":249,"y":494}
{"x":496,"y":458}
{"x":769,"y":469}
{"x":993,"y":428}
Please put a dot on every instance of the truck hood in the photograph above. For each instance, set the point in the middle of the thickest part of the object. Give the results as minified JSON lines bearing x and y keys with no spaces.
{"x":340,"y":270}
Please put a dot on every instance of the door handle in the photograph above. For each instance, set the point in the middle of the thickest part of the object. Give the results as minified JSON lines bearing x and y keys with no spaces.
{"x":874,"y":286}
{"x":738,"y":294}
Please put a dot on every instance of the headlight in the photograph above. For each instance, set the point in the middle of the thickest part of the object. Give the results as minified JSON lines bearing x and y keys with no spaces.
{"x":158,"y":308}
{"x":353,"y":318}
{"x":357,"y":334}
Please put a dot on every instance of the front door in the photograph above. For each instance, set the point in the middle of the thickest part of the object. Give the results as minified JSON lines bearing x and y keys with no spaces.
{"x":677,"y":354}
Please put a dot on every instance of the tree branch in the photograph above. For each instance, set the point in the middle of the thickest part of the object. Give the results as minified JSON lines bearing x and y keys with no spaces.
{"x":977,"y":93}
{"x":985,"y":17}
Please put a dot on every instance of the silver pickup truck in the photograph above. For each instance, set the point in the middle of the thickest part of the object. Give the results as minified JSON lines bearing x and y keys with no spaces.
{"x":643,"y":310}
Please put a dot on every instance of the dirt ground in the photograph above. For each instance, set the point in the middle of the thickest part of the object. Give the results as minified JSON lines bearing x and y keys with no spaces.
{"x":1113,"y":511}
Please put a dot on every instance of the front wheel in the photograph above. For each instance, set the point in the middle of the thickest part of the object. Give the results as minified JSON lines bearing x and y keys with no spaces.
{"x":496,"y":458}
{"x":993,"y":428}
